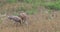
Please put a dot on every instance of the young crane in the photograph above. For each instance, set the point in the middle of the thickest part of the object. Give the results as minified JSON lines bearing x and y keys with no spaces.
{"x":15,"y":18}
{"x":21,"y":18}
{"x":24,"y":17}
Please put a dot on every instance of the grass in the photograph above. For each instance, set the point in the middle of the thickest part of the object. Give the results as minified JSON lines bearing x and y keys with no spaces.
{"x":11,"y":1}
{"x":35,"y":3}
{"x":26,"y":6}
{"x":34,"y":11}
{"x":52,"y":4}
{"x":0,"y":21}
{"x":30,"y":6}
{"x":37,"y":21}
{"x":48,"y":4}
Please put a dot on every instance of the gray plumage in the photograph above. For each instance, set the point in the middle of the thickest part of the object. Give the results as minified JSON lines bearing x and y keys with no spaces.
{"x":15,"y":18}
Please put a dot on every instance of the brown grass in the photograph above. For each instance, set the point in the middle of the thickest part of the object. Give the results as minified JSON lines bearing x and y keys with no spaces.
{"x":37,"y":23}
{"x":40,"y":22}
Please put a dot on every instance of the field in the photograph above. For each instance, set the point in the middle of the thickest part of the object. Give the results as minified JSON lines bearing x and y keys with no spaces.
{"x":42,"y":17}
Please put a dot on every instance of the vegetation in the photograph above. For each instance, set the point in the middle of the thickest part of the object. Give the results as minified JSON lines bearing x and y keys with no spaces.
{"x":24,"y":5}
{"x":52,"y":4}
{"x":29,"y":6}
{"x":49,"y":22}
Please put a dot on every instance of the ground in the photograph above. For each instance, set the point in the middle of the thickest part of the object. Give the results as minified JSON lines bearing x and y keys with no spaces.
{"x":40,"y":22}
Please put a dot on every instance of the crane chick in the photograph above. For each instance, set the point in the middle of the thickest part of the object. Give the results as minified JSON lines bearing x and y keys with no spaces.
{"x":15,"y":18}
{"x":23,"y":16}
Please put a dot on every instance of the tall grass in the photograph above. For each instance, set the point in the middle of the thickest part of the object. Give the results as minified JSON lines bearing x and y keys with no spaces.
{"x":35,"y":3}
{"x":11,"y":1}
{"x":52,"y":4}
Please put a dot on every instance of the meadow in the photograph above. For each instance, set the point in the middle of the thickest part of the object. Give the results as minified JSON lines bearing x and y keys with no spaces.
{"x":44,"y":15}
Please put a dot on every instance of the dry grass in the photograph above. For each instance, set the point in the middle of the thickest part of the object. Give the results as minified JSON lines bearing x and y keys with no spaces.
{"x":40,"y":22}
{"x":37,"y":23}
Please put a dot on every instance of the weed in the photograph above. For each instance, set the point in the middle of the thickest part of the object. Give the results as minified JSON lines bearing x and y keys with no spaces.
{"x":0,"y":21}
{"x":11,"y":1}
{"x":52,"y":5}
